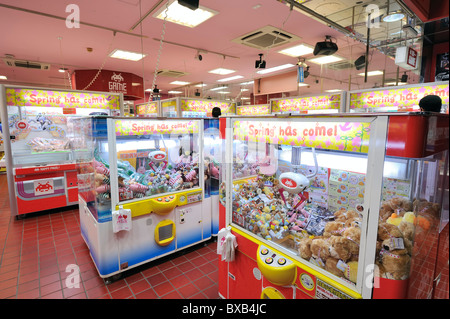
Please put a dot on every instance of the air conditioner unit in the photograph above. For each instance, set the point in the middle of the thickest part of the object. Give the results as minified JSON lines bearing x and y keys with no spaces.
{"x":266,"y":37}
{"x":26,"y":64}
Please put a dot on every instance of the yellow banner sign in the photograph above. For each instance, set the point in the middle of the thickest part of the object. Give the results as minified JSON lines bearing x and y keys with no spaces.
{"x":136,"y":127}
{"x":298,"y":104}
{"x":340,"y":136}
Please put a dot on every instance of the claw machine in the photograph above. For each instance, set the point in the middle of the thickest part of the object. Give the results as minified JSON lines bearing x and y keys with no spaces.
{"x":39,"y":159}
{"x":333,"y":206}
{"x":310,"y":104}
{"x":151,"y":167}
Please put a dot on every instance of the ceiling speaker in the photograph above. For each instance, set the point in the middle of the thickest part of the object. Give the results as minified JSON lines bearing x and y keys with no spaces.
{"x":360,"y":62}
{"x":191,"y":4}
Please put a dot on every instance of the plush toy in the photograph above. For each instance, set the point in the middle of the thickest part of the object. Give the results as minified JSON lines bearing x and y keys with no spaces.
{"x":331,"y":266}
{"x":397,"y":205}
{"x":353,"y":234}
{"x":343,"y":215}
{"x":396,"y":263}
{"x":386,"y":231}
{"x":320,"y":249}
{"x":407,"y":229}
{"x":304,"y":248}
{"x":341,"y":248}
{"x":333,"y":228}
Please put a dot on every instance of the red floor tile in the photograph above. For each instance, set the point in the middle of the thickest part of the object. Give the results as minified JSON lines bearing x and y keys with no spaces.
{"x":35,"y":251}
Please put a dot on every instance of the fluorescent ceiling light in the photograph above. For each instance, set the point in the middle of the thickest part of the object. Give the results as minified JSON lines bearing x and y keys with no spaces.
{"x":174,"y":92}
{"x":230,"y":78}
{"x":244,"y":90}
{"x":200,"y":85}
{"x":298,"y":50}
{"x":179,"y":14}
{"x":3,"y":77}
{"x":276,"y":68}
{"x":151,"y":90}
{"x":326,"y":59}
{"x":372,"y":73}
{"x":393,"y":16}
{"x":180,"y":83}
{"x":247,"y":83}
{"x":221,"y":71}
{"x":218,"y":88}
{"x":245,"y":98}
{"x":223,"y":92}
{"x":126,"y":55}
{"x":393,"y":83}
{"x":333,"y":91}
{"x":303,"y":84}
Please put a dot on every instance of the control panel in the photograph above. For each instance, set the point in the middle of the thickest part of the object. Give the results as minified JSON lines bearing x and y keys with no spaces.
{"x":276,"y":268}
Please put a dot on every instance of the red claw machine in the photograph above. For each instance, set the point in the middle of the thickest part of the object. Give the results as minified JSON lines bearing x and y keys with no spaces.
{"x":40,"y":162}
{"x":332,"y":206}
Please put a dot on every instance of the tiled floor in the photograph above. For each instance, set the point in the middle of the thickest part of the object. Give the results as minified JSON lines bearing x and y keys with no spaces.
{"x":35,"y":251}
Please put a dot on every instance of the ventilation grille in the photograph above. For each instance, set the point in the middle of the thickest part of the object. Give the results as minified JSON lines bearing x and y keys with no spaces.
{"x":342,"y":65}
{"x":26,"y":64}
{"x":266,"y":37}
{"x":171,"y":73}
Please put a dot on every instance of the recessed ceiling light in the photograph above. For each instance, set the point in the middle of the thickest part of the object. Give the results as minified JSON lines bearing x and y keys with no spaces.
{"x":372,"y":73}
{"x":179,"y":14}
{"x":180,"y":83}
{"x":276,"y":68}
{"x":126,"y":55}
{"x":174,"y":92}
{"x":231,"y":78}
{"x":247,"y":83}
{"x":3,"y":77}
{"x":326,"y":59}
{"x":200,"y":85}
{"x":223,"y":92}
{"x":62,"y":70}
{"x":298,"y":50}
{"x":333,"y":90}
{"x":221,"y":71}
{"x":303,"y":84}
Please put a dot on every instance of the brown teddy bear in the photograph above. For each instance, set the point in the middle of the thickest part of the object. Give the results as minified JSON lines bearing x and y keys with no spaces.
{"x":333,"y":228}
{"x":353,"y":234}
{"x":396,"y":263}
{"x":331,"y":266}
{"x":320,"y":249}
{"x":304,"y":248}
{"x":407,"y":229}
{"x":340,"y":248}
{"x":386,"y":231}
{"x":343,"y":215}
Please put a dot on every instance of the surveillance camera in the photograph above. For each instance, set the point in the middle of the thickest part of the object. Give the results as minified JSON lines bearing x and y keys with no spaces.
{"x":200,"y":57}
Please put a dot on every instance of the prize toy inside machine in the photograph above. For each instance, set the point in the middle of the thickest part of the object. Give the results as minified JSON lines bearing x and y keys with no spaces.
{"x":403,"y":98}
{"x":298,"y":193}
{"x":144,"y":193}
{"x":40,"y":161}
{"x":315,"y":104}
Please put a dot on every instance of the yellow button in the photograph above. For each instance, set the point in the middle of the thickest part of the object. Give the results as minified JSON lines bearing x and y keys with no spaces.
{"x":264,"y":251}
{"x":281,"y":261}
{"x":269,"y":260}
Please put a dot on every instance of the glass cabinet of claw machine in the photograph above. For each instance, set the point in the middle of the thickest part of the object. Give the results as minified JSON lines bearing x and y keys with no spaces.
{"x":40,"y":160}
{"x":332,"y":206}
{"x":151,"y":168}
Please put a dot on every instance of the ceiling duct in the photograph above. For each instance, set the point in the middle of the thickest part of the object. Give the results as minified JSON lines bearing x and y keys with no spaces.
{"x":266,"y":37}
{"x":26,"y":64}
{"x":171,"y":73}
